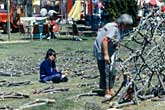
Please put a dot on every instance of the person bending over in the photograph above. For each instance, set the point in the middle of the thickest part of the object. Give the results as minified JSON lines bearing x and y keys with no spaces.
{"x":104,"y":49}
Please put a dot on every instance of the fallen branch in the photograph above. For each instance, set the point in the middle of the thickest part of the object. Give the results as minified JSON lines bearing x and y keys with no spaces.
{"x":89,"y":77}
{"x":146,"y":97}
{"x":8,"y":74}
{"x":117,"y":105}
{"x":36,"y":103}
{"x":88,"y":85}
{"x":8,"y":84}
{"x":13,"y":95}
{"x":6,"y":108}
{"x":86,"y":94}
{"x":50,"y":90}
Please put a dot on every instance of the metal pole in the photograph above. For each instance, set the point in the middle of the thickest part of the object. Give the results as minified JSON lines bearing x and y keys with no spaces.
{"x":91,"y":14}
{"x":8,"y":17}
{"x":61,"y":4}
{"x":25,"y":6}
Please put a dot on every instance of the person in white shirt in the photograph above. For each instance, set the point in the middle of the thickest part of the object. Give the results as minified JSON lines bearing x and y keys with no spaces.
{"x":104,"y":49}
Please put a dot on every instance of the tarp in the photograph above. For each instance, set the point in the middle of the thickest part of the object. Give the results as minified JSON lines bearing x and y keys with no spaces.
{"x":75,"y":12}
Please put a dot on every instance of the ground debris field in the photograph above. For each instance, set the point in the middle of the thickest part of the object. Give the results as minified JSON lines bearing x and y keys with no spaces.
{"x":19,"y":78}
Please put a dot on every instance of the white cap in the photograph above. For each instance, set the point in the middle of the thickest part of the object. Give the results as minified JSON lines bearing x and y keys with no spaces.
{"x":43,"y":12}
{"x":125,"y":19}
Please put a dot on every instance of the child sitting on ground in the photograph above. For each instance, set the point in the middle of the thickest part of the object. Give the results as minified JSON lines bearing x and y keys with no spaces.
{"x":48,"y":70}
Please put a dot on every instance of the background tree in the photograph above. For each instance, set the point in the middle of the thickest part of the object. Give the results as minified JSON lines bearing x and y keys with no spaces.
{"x":114,"y":8}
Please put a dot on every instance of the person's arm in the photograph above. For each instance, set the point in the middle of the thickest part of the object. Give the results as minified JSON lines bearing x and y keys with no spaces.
{"x":48,"y":70}
{"x":105,"y":49}
{"x":42,"y":71}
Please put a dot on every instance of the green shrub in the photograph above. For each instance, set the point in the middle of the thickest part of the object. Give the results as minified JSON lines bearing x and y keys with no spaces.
{"x":114,"y":8}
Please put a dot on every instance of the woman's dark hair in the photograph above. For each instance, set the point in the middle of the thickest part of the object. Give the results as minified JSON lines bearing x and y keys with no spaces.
{"x":49,"y":53}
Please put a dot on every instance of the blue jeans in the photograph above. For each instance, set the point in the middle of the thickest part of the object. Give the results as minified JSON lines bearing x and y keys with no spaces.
{"x":55,"y":78}
{"x":107,"y":74}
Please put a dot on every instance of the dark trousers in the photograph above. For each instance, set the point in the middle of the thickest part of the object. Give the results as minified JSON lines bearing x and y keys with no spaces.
{"x":54,"y":78}
{"x":107,"y":76}
{"x":51,"y":33}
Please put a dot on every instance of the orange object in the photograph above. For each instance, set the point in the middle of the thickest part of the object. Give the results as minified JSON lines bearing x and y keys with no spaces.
{"x":55,"y":25}
{"x":163,"y":9}
{"x":69,"y":4}
{"x":56,"y":28}
{"x":14,"y":19}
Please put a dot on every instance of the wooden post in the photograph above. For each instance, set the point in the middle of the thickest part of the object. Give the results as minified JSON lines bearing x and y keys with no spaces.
{"x":8,"y":17}
{"x":91,"y":9}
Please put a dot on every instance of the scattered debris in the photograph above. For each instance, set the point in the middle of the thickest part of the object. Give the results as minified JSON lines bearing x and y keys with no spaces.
{"x":117,"y":105}
{"x":85,"y":94}
{"x":90,"y":85}
{"x":6,"y":108}
{"x":8,"y":84}
{"x":5,"y":95}
{"x":50,"y":89}
{"x":36,"y":103}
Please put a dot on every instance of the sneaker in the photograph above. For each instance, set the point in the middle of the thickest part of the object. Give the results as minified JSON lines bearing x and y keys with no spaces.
{"x":65,"y":79}
{"x":42,"y":81}
{"x":107,"y":96}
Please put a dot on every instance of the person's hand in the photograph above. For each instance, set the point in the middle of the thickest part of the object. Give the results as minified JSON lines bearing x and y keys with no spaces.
{"x":107,"y":59}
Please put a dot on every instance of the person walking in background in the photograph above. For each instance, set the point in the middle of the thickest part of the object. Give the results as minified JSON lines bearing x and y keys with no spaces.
{"x":53,"y":28}
{"x":104,"y":49}
{"x":48,"y":69}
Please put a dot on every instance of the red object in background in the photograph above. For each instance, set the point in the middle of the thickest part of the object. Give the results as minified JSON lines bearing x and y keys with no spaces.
{"x":163,"y":9}
{"x":90,"y":6}
{"x":69,"y":5}
{"x":4,"y":18}
{"x":153,"y":2}
{"x":55,"y":26}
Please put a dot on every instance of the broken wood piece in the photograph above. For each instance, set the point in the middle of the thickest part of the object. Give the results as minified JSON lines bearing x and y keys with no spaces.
{"x":51,"y":90}
{"x":55,"y":90}
{"x":6,"y":108}
{"x":117,"y":105}
{"x":86,"y":94}
{"x":89,"y":77}
{"x":113,"y":109}
{"x":95,"y":84}
{"x":37,"y":102}
{"x":23,"y":95}
{"x":8,"y":74}
{"x":30,"y":106}
{"x":18,"y":83}
{"x":13,"y":95}
{"x":145,"y":97}
{"x":42,"y":101}
{"x":8,"y":84}
{"x":2,"y":81}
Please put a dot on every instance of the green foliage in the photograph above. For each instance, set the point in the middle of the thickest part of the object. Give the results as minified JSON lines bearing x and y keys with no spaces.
{"x":115,"y":8}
